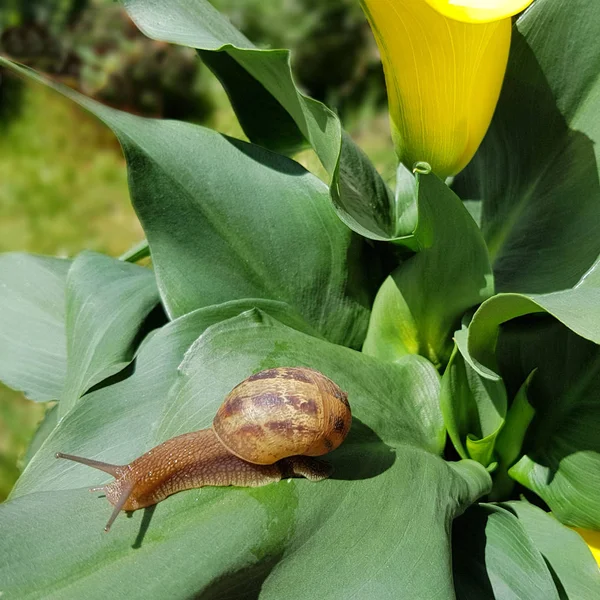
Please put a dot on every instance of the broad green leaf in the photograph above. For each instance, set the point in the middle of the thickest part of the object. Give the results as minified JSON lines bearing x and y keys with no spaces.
{"x":561,"y":451}
{"x":410,"y":387}
{"x":214,"y":238}
{"x":421,"y":304}
{"x":288,"y":540}
{"x":295,"y":539}
{"x":124,"y":415}
{"x":474,"y":410}
{"x":33,"y":348}
{"x":197,"y":24}
{"x":119,"y":416}
{"x":494,"y":558}
{"x":537,"y":169}
{"x":271,"y":109}
{"x":107,"y":302}
{"x":578,"y":308}
{"x":570,"y":561}
{"x":222,"y":241}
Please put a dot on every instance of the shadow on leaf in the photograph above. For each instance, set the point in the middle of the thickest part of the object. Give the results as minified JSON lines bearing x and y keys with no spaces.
{"x":245,"y":584}
{"x":363,"y":455}
{"x":469,"y":542}
{"x":563,"y":392}
{"x":146,"y":518}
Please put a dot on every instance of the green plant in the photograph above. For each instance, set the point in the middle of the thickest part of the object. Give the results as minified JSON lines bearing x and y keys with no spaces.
{"x":488,"y":335}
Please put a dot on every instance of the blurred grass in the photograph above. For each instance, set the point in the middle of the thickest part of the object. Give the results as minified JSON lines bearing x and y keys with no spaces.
{"x":63,"y":184}
{"x":63,"y":188}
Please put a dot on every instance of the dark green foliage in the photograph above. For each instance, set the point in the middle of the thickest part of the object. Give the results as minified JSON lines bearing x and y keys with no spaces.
{"x":254,"y":270}
{"x":334,"y":56}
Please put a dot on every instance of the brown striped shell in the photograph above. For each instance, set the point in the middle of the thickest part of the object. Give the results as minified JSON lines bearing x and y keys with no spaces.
{"x":283,"y":412}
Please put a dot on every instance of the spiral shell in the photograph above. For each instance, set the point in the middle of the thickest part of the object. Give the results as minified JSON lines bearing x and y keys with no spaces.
{"x":283,"y":412}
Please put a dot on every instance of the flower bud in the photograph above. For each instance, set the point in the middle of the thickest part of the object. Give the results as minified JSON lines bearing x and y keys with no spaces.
{"x":444,"y":62}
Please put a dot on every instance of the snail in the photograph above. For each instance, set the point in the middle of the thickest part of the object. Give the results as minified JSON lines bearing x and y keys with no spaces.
{"x":268,"y":428}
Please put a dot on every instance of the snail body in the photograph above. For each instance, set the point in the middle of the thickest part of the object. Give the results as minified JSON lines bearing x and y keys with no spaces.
{"x":268,"y":428}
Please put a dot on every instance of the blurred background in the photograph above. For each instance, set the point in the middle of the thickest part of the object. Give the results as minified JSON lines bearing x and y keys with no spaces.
{"x":63,"y":180}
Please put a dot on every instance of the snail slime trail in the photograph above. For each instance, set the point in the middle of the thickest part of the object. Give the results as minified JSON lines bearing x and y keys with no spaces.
{"x":268,"y":428}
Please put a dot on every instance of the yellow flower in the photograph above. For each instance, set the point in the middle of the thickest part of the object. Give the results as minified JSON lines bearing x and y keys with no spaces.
{"x":444,"y":62}
{"x":592,"y":539}
{"x":479,"y":11}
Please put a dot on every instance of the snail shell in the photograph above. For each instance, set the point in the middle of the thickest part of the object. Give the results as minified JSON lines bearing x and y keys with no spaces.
{"x":283,"y":412}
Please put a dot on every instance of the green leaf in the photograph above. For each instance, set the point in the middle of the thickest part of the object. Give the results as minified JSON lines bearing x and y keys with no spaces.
{"x":271,"y":109}
{"x":420,"y":305}
{"x":560,"y":460}
{"x":494,"y":558}
{"x":576,"y":308}
{"x":474,"y":410}
{"x":407,"y":209}
{"x":136,"y":252}
{"x":509,"y":444}
{"x":474,"y":207}
{"x":214,"y":239}
{"x":570,"y":561}
{"x":125,"y":414}
{"x":537,"y":169}
{"x":220,"y":242}
{"x":295,"y":539}
{"x":363,"y":200}
{"x":196,"y":23}
{"x":107,"y":302}
{"x":253,"y":103}
{"x":33,"y":350}
{"x":287,"y":540}
{"x":411,"y":416}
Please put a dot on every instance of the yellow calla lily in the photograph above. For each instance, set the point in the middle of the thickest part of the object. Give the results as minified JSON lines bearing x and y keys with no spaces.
{"x":479,"y":11}
{"x":592,"y":539}
{"x":443,"y":74}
